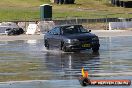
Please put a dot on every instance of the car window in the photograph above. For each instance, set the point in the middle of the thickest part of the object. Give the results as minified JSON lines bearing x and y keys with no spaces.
{"x":67,"y":30}
{"x":73,"y":29}
{"x":55,"y":31}
{"x":82,"y":29}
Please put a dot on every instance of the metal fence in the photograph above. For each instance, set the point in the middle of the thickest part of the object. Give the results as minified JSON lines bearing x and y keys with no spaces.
{"x":97,"y":23}
{"x":93,"y":24}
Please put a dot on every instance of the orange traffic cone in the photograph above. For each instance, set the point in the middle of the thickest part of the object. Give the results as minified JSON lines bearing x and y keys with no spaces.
{"x":84,"y":73}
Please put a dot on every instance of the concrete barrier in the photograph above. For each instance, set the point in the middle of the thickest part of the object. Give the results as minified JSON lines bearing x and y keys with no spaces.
{"x":119,"y":25}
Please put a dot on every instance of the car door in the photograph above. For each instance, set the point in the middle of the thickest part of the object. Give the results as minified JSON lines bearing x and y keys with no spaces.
{"x":56,"y":38}
{"x":48,"y":37}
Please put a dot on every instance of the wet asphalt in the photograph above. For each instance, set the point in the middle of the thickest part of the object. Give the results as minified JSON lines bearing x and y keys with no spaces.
{"x":57,"y":69}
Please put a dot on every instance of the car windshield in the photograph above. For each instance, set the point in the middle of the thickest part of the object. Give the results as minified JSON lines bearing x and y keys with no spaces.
{"x":73,"y":29}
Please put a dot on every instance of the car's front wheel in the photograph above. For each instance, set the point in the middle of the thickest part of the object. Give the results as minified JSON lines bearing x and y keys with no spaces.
{"x":63,"y":47}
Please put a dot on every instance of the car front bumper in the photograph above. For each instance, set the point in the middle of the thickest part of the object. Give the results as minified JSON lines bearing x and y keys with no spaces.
{"x":81,"y":46}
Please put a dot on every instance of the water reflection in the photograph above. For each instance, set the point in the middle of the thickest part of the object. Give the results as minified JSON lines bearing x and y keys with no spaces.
{"x":66,"y":65}
{"x":113,"y":59}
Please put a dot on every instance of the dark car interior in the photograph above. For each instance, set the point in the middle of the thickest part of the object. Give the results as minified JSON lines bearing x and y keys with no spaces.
{"x":73,"y":29}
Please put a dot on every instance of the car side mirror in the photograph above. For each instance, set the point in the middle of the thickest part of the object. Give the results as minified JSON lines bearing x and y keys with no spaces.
{"x":89,"y":30}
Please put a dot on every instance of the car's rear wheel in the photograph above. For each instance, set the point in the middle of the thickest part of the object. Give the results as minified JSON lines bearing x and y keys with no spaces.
{"x":46,"y":44}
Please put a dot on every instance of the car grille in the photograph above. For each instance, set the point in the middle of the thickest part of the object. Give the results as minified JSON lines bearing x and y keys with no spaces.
{"x":85,"y":40}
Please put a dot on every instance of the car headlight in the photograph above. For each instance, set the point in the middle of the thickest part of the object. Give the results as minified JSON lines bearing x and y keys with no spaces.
{"x":71,"y":40}
{"x":95,"y":38}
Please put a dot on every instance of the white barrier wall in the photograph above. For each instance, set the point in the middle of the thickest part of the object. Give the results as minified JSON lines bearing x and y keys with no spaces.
{"x":118,"y":25}
{"x":40,"y":27}
{"x":32,"y":28}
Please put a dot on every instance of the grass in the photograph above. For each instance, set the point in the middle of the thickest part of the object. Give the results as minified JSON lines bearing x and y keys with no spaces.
{"x":12,"y":10}
{"x":91,"y":9}
{"x":20,"y":9}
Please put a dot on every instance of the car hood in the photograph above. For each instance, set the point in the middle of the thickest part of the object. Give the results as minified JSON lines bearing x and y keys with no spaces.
{"x":78,"y":36}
